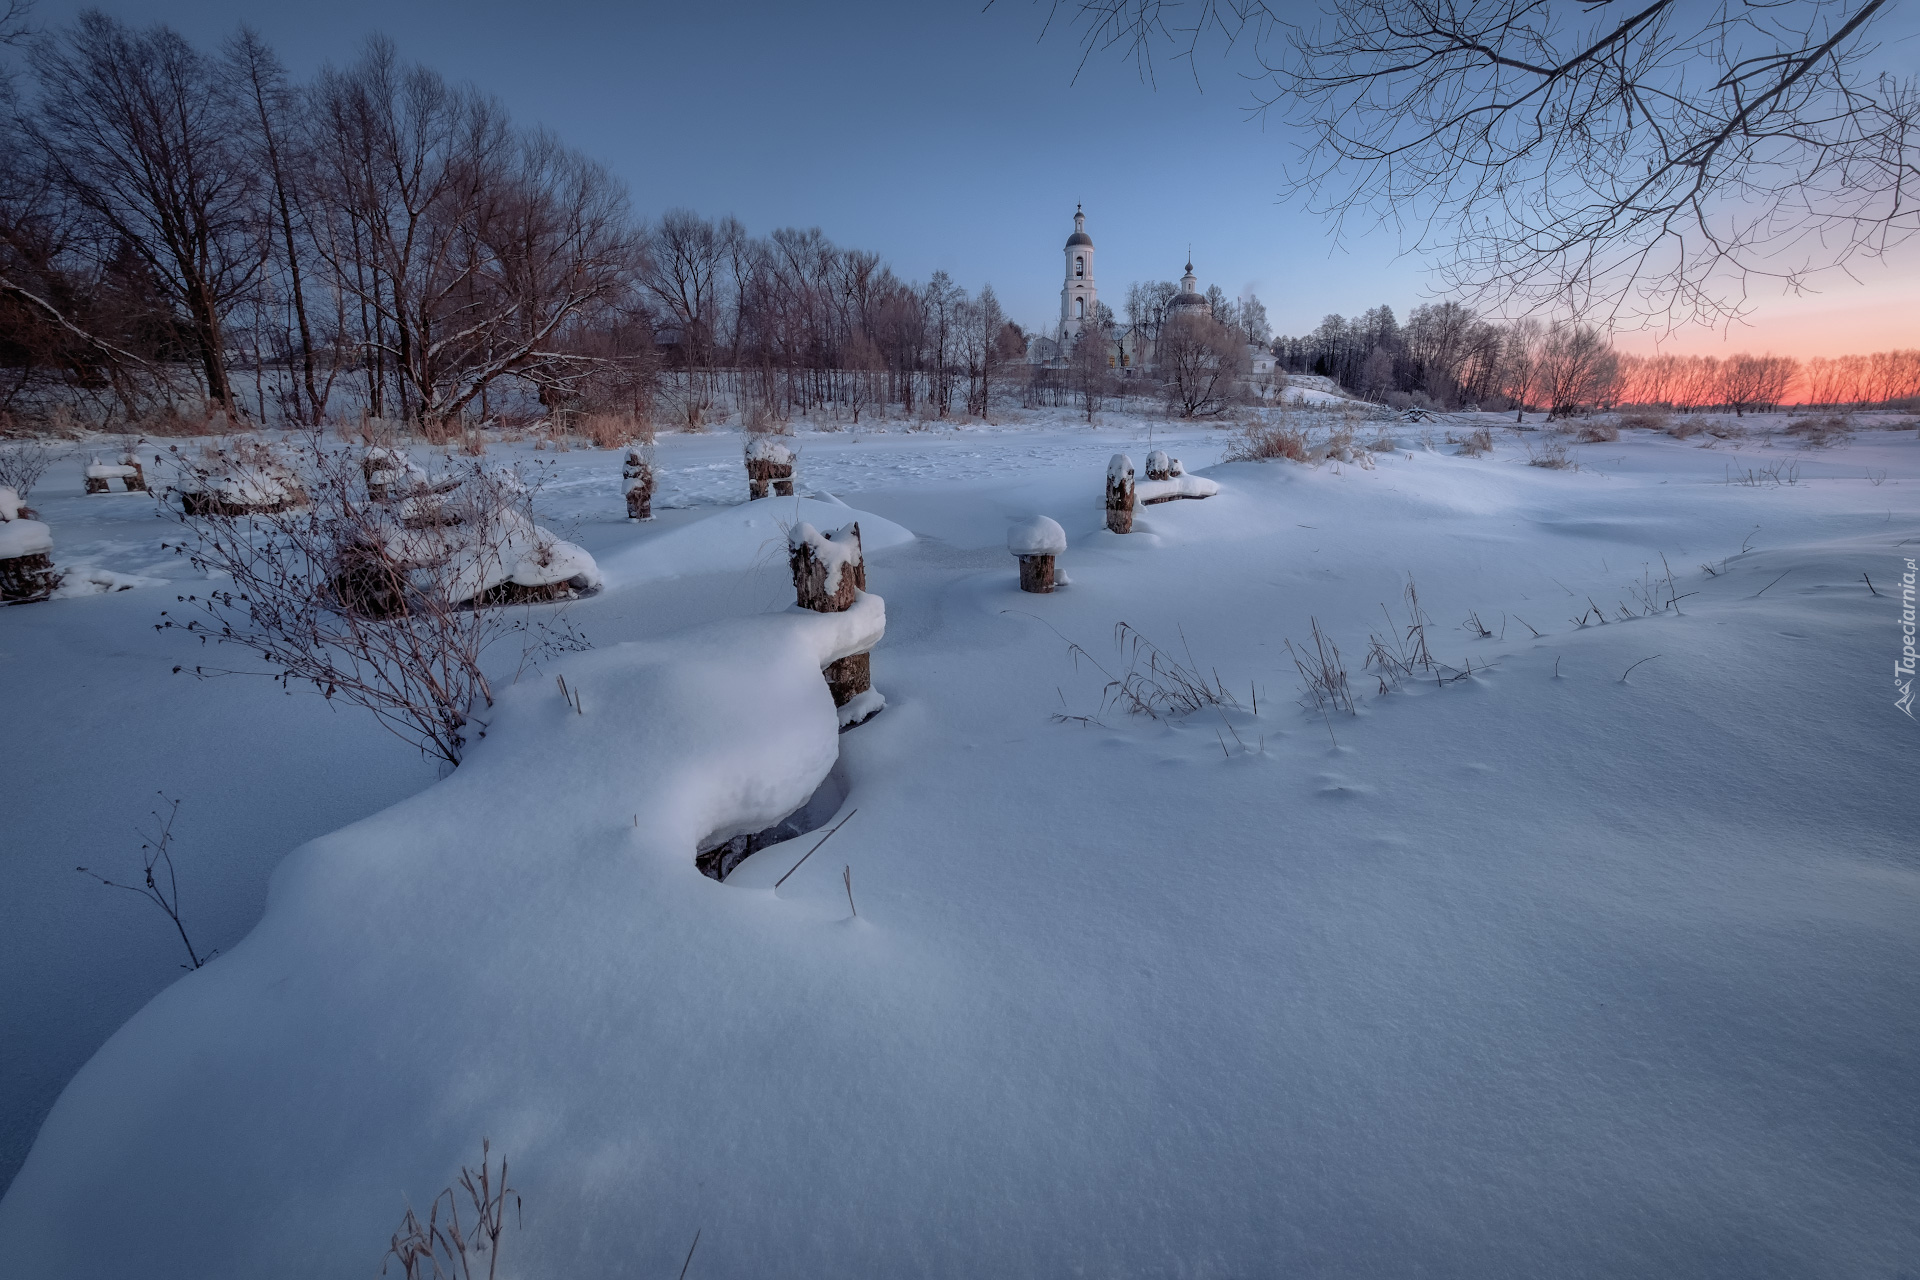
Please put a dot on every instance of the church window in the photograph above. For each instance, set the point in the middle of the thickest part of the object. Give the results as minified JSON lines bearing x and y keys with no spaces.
{"x":1079,"y":308}
{"x":1079,"y":266}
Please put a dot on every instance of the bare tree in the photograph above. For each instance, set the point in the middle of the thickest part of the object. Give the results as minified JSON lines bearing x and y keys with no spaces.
{"x":1651,"y":163}
{"x":141,"y":131}
{"x":1201,"y":361}
{"x":1576,"y":367}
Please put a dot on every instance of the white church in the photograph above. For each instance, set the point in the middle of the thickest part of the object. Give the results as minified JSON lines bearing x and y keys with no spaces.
{"x":1132,"y":348}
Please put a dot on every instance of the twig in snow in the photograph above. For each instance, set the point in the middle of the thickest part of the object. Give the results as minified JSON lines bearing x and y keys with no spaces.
{"x":846,"y":878}
{"x":1762,"y":591}
{"x":689,"y":1261}
{"x":809,"y":853}
{"x":1629,"y":670}
{"x":154,"y":850}
{"x":1528,"y":625}
{"x":1869,"y":584}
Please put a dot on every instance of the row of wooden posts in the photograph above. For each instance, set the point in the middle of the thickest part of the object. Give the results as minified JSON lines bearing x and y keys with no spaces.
{"x":1037,"y":573}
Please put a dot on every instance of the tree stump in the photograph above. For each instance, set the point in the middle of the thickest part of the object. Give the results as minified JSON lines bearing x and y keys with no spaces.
{"x":769,"y":464}
{"x":137,"y":482}
{"x":27,"y":579}
{"x":1036,"y":541}
{"x":1157,"y":466}
{"x":1120,"y":494}
{"x":638,"y":473}
{"x":829,"y":573}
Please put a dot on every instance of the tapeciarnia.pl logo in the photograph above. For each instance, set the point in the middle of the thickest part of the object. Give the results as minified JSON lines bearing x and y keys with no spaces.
{"x":1903,"y":669}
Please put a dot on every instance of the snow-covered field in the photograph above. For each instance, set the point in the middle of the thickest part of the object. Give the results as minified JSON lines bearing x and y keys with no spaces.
{"x":1538,"y":971}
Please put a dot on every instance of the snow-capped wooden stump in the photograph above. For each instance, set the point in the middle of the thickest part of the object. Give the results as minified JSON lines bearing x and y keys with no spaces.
{"x":26,"y":556}
{"x":638,"y":473}
{"x":769,"y":463}
{"x":100,"y":476}
{"x":1161,"y":467}
{"x":1120,"y":494}
{"x":1036,"y":541}
{"x":829,"y":573}
{"x":386,"y":469}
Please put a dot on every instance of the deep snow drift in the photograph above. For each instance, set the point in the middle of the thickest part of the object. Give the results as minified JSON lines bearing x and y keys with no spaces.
{"x":1554,"y":969}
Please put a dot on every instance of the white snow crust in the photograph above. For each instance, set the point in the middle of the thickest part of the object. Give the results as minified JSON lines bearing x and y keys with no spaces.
{"x":1554,"y":969}
{"x":10,"y":504}
{"x":1185,"y":486}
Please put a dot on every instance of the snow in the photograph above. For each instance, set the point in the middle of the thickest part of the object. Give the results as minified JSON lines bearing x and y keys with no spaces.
{"x":10,"y":504}
{"x":110,"y":471}
{"x":1036,"y":536}
{"x":736,"y":539}
{"x":1119,"y":467}
{"x":24,"y":538}
{"x":1538,"y":971}
{"x":1181,"y":486}
{"x":769,"y":449}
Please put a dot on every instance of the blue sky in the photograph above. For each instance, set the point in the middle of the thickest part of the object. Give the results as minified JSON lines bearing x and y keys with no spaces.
{"x":936,"y":133}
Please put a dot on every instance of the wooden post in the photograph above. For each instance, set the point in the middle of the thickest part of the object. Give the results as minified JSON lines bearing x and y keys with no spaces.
{"x":1036,"y":574}
{"x":1120,"y":494}
{"x":1157,"y":468}
{"x":828,"y":583}
{"x":380,"y":472}
{"x":137,"y":482}
{"x":638,"y":473}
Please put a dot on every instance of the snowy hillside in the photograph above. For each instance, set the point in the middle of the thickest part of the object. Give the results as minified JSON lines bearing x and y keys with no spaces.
{"x":1585,"y":949}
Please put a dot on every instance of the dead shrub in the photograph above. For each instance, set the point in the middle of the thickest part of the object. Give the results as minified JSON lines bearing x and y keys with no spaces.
{"x":1645,"y":420}
{"x":761,"y":420}
{"x":1552,"y":454}
{"x":1598,"y":433}
{"x":1475,"y":444}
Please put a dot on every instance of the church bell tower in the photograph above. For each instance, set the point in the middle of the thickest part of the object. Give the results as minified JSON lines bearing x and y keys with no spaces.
{"x":1078,"y":295}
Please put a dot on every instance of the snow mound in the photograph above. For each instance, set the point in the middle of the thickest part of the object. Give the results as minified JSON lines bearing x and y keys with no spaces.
{"x":99,"y":582}
{"x":568,"y":837}
{"x":1119,"y":467}
{"x":24,"y":538}
{"x":110,"y":471}
{"x":1036,"y":536}
{"x":737,"y":539}
{"x":10,"y":504}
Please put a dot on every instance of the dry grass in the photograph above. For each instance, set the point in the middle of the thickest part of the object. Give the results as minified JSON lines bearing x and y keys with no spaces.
{"x":1259,"y":442}
{"x":1822,"y":432}
{"x":615,"y":430}
{"x":440,"y":1249}
{"x":1325,"y":673}
{"x":1645,"y":420}
{"x":1598,"y":433}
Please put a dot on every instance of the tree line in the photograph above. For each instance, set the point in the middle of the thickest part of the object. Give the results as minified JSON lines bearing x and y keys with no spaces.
{"x":186,"y":229}
{"x":1447,"y":356}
